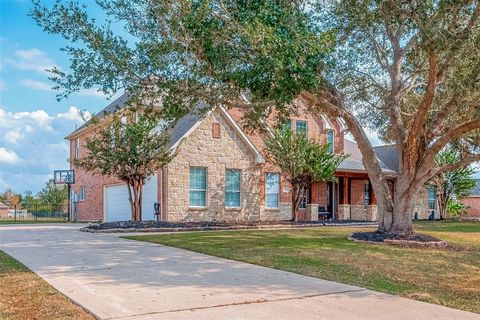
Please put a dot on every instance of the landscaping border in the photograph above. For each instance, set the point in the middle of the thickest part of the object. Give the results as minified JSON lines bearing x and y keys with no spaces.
{"x":405,"y":243}
{"x":229,"y":227}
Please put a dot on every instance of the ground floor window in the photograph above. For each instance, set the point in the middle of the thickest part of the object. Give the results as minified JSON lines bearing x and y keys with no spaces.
{"x":305,"y":200}
{"x":366,"y":194}
{"x":232,"y":188}
{"x":272,"y":187}
{"x":432,"y":197}
{"x":198,"y":187}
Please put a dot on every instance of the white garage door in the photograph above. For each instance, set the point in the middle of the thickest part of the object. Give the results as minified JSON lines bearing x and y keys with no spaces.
{"x":117,"y":206}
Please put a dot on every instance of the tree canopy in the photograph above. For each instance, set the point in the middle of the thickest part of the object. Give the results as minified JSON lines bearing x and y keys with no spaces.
{"x":131,"y":145}
{"x":410,"y":69}
{"x":301,"y":161}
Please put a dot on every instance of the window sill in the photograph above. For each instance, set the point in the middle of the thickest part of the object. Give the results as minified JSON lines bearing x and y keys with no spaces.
{"x":197,"y":208}
{"x":233,"y":208}
{"x":272,"y":209}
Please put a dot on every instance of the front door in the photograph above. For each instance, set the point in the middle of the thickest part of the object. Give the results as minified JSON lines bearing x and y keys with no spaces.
{"x":332,"y":206}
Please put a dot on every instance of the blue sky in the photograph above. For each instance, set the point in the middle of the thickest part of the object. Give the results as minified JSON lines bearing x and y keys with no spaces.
{"x":32,"y":122}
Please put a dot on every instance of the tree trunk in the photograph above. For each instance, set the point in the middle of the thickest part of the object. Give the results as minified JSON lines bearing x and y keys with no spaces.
{"x":295,"y":196}
{"x":404,"y":195}
{"x":137,"y":200}
{"x":130,"y":200}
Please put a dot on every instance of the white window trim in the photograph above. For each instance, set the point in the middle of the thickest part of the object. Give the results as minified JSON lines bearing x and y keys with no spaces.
{"x":206,"y":189}
{"x":333,"y":139}
{"x":240,"y":190}
{"x":77,"y":148}
{"x":305,"y":196}
{"x":366,"y":194}
{"x":306,"y":126}
{"x":278,"y":193}
{"x":82,"y":195}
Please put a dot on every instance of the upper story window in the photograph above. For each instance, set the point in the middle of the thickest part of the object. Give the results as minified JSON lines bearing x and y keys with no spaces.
{"x":331,"y":141}
{"x":286,"y":125}
{"x":77,"y":148}
{"x":82,"y":193}
{"x":198,"y":187}
{"x":233,"y":188}
{"x":272,"y":187}
{"x":432,"y":197}
{"x":301,"y":127}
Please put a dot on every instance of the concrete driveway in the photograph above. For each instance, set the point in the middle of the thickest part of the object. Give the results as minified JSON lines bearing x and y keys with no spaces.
{"x":122,"y":279}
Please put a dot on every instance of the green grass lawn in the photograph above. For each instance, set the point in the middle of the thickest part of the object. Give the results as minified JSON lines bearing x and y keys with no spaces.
{"x":449,"y":277}
{"x":10,"y":221}
{"x":24,"y":295}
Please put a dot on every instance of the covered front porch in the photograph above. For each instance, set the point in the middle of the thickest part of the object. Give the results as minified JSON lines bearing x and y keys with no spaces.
{"x":351,"y":197}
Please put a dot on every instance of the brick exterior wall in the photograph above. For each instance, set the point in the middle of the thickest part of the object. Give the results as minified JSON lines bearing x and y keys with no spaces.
{"x":473,"y":212}
{"x":90,"y":209}
{"x":200,"y":148}
{"x":317,"y":131}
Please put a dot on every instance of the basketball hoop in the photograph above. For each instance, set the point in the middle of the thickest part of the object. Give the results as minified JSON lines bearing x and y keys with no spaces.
{"x":64,"y":177}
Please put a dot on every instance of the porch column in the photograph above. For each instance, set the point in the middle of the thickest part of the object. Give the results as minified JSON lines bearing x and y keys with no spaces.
{"x":344,"y":208}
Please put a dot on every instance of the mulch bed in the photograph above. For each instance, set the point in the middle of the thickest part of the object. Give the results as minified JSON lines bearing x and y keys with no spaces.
{"x":163,"y":226}
{"x":414,"y":240}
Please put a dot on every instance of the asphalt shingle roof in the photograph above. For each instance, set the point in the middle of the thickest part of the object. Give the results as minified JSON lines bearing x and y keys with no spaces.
{"x":388,"y":155}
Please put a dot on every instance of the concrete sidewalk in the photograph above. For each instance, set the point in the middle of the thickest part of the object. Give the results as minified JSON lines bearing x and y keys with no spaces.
{"x":122,"y":279}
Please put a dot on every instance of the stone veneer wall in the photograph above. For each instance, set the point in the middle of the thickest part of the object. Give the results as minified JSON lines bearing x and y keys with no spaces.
{"x":229,"y":151}
{"x":421,"y":205}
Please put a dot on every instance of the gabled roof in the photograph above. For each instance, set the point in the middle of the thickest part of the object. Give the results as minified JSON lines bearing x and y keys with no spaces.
{"x":115,"y":105}
{"x":3,"y":206}
{"x":181,"y":128}
{"x":354,"y":161}
{"x":187,"y":124}
{"x":388,"y":154}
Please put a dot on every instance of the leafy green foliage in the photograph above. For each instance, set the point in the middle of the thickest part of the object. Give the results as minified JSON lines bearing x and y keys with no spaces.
{"x":301,"y":161}
{"x":455,"y":208}
{"x":453,"y":185}
{"x":130,"y":145}
{"x":54,"y":195}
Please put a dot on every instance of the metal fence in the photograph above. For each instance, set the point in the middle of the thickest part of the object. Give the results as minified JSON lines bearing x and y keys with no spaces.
{"x":33,"y":213}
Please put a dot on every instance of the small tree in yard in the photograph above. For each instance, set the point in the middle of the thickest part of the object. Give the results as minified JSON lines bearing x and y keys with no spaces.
{"x":301,"y":162}
{"x":452,"y":185}
{"x":54,"y":195}
{"x":131,"y":151}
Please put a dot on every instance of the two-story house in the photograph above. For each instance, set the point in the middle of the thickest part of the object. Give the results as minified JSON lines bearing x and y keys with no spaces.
{"x":219,"y":173}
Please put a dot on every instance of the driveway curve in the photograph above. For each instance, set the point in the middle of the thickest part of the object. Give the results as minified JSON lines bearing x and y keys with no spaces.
{"x":116,"y":278}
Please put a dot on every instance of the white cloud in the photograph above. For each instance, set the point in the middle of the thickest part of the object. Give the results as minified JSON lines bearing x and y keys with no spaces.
{"x":372,"y":136}
{"x":8,"y":156}
{"x":13,"y":136}
{"x":92,"y":93}
{"x":36,"y":146}
{"x":33,"y":60}
{"x":38,"y":85}
{"x":74,"y":114}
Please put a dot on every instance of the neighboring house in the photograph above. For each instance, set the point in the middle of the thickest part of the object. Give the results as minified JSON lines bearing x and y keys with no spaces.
{"x":3,"y":210}
{"x":426,"y":199}
{"x":473,"y":203}
{"x":220,"y":174}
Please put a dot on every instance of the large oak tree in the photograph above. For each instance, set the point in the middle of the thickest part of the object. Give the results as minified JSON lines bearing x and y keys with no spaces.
{"x":409,"y":68}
